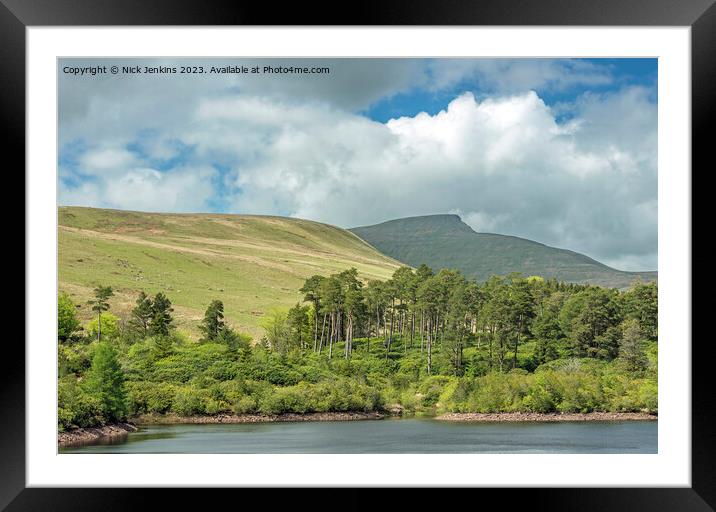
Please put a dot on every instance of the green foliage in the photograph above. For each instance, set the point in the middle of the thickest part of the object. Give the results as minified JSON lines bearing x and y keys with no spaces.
{"x":109,"y":327}
{"x":547,"y":331}
{"x":298,"y":327}
{"x":162,"y":346}
{"x":73,"y":359}
{"x":276,"y":329}
{"x":67,"y":322}
{"x":101,"y":297}
{"x":335,"y":395}
{"x":150,"y":397}
{"x":100,"y":304}
{"x":431,"y":388}
{"x":235,"y":341}
{"x":569,"y":387}
{"x":188,"y":362}
{"x":76,"y":407}
{"x":427,"y":342}
{"x":631,"y":346}
{"x":190,"y":400}
{"x":161,"y":321}
{"x":642,"y":304}
{"x":105,"y":381}
{"x":589,"y":318}
{"x":213,"y":322}
{"x":142,"y":314}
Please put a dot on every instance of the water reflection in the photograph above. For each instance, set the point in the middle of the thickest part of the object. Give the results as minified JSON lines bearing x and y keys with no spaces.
{"x":386,"y":436}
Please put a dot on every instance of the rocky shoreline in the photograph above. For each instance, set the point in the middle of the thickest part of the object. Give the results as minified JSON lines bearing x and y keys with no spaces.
{"x":546,"y":417}
{"x":257,"y":418}
{"x":81,"y":436}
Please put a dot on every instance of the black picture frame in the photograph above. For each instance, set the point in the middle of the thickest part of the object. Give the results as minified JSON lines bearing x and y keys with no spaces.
{"x":700,"y":15}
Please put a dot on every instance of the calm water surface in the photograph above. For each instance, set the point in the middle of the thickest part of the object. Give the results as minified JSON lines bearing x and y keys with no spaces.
{"x":388,"y":436}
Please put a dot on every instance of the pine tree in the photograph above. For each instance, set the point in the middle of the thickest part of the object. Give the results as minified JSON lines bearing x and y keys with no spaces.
{"x":105,"y":381}
{"x":631,"y":346}
{"x":311,"y":290}
{"x":100,"y":304}
{"x":142,"y":314}
{"x":162,"y":346}
{"x":213,"y":322}
{"x":161,"y":320}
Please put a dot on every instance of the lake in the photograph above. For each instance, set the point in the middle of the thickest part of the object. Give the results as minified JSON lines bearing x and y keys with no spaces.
{"x":388,"y":436}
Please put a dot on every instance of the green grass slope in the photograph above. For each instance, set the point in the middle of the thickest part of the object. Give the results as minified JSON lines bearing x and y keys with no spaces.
{"x":251,"y":263}
{"x":444,"y":241}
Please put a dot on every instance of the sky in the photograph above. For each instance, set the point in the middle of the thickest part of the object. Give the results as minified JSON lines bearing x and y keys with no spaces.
{"x":560,"y":151}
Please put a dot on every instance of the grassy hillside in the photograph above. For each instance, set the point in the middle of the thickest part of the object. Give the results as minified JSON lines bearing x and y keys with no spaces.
{"x":251,"y":263}
{"x":444,"y":241}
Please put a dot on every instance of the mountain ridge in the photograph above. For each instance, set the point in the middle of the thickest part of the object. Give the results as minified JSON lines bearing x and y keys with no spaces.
{"x":445,"y":241}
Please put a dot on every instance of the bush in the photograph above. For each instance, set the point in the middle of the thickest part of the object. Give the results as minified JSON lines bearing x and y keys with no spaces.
{"x":580,"y":393}
{"x":110,"y":327}
{"x":223,"y":370}
{"x":497,"y":392}
{"x":67,"y":322}
{"x":139,"y":362}
{"x":150,"y":397}
{"x":538,"y":399}
{"x":190,"y":361}
{"x":291,"y":399}
{"x":432,"y":387}
{"x":188,"y":401}
{"x":73,"y":359}
{"x":271,"y":367}
{"x":649,"y":395}
{"x":76,"y":408}
{"x":246,"y":405}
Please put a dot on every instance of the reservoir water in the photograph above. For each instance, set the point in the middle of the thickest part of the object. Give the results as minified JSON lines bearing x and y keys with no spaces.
{"x":388,"y":436}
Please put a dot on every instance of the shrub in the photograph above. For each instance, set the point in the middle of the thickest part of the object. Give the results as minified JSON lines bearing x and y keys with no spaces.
{"x":188,"y":401}
{"x":432,"y":387}
{"x":150,"y":397}
{"x":67,"y":322}
{"x":497,"y":392}
{"x":73,"y":359}
{"x":76,"y":408}
{"x":190,"y":361}
{"x":110,"y":327}
{"x":543,"y":395}
{"x":580,"y":393}
{"x":223,"y":370}
{"x":649,"y":395}
{"x":246,"y":405}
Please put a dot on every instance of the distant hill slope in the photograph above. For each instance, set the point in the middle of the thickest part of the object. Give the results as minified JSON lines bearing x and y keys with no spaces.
{"x":251,"y":263}
{"x":444,"y":241}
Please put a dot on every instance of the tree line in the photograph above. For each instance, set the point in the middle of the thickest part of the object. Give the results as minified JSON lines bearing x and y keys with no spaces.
{"x":418,"y":340}
{"x":444,"y":309}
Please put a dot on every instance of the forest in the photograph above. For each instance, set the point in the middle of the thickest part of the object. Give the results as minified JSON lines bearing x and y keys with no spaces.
{"x":422,"y":342}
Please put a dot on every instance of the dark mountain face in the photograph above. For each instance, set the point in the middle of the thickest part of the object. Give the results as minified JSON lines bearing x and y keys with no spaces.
{"x":444,"y":241}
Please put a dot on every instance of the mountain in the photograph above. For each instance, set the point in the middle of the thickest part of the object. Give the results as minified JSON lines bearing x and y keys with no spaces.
{"x":444,"y":241}
{"x":251,"y":263}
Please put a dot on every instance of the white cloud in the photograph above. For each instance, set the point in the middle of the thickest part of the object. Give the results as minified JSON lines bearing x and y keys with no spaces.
{"x":102,"y":160}
{"x":505,"y":163}
{"x":297,"y":147}
{"x":145,"y":189}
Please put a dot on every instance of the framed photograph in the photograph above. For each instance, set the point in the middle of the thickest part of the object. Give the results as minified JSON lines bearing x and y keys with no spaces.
{"x":425,"y":246}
